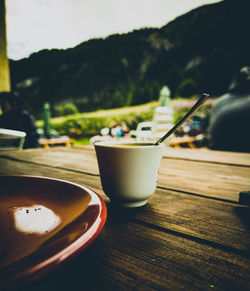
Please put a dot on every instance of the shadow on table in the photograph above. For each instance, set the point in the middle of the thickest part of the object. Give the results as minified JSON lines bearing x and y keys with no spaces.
{"x":118,"y":215}
{"x":243,"y":212}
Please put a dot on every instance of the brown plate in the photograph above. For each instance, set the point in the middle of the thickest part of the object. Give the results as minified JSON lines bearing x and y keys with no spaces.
{"x":44,"y":222}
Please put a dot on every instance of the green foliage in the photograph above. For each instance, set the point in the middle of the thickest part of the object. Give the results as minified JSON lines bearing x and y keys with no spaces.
{"x":81,"y":141}
{"x":187,"y":88}
{"x":90,"y":126}
{"x":206,"y":46}
{"x":65,"y":109}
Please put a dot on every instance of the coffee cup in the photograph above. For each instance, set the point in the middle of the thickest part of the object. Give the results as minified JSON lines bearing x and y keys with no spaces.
{"x":129,"y":171}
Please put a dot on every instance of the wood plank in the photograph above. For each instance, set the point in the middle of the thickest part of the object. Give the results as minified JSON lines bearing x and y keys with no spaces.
{"x":203,"y":155}
{"x":224,"y":224}
{"x":178,"y":241}
{"x":206,"y":219}
{"x":201,"y":178}
{"x":206,"y":155}
{"x":212,"y":180}
{"x":126,"y":257}
{"x":171,"y":253}
{"x":13,"y":167}
{"x":63,"y":157}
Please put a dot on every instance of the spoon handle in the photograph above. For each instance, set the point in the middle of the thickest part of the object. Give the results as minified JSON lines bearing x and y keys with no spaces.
{"x":196,"y":106}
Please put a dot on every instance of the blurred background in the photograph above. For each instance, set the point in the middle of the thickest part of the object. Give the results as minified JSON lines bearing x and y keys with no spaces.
{"x":97,"y":61}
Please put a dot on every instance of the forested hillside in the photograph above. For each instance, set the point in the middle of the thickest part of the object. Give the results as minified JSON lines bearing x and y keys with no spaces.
{"x":199,"y":51}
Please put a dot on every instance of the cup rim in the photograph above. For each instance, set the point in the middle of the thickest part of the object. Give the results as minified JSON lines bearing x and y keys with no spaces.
{"x":128,"y":144}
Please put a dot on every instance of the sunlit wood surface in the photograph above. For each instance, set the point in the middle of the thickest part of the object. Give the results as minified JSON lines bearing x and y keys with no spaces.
{"x":192,"y":235}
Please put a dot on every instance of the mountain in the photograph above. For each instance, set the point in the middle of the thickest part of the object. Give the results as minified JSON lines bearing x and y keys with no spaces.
{"x":197,"y":52}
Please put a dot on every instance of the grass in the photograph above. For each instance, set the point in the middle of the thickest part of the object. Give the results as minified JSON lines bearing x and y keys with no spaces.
{"x":102,"y":113}
{"x":81,"y":126}
{"x":81,"y":141}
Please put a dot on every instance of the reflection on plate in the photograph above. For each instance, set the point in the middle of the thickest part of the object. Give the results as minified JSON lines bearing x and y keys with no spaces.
{"x":43,"y":222}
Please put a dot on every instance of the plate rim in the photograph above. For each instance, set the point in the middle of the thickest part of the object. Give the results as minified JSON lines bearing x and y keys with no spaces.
{"x":68,"y":252}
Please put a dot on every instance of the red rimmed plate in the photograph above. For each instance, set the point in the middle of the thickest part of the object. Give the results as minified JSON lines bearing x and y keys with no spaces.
{"x":43,"y":222}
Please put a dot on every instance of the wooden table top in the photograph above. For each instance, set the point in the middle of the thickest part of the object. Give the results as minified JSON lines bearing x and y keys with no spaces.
{"x":192,"y":235}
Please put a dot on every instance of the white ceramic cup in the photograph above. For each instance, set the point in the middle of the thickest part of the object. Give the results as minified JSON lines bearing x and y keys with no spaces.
{"x":129,"y":171}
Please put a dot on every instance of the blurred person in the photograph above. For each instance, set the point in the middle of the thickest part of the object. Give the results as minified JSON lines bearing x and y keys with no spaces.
{"x":113,"y":129}
{"x":124,"y":130}
{"x":229,"y":125}
{"x":16,"y":118}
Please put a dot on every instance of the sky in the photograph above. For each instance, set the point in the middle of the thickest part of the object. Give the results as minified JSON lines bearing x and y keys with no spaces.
{"x":33,"y":25}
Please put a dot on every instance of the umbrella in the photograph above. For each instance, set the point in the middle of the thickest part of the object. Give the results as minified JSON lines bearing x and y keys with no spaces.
{"x":47,"y":117}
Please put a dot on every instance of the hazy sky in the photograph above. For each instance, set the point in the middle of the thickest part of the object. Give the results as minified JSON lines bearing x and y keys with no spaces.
{"x":33,"y":25}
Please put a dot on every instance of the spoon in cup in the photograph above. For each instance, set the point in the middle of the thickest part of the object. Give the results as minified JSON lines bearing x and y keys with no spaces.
{"x":196,"y":106}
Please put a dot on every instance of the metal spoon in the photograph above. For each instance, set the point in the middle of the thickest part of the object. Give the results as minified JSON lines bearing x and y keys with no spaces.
{"x":196,"y":106}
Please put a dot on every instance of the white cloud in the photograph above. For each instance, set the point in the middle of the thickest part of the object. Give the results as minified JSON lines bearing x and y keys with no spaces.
{"x":36,"y":24}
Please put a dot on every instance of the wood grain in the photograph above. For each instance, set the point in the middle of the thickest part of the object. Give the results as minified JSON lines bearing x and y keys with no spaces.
{"x":125,"y":257}
{"x":192,"y":235}
{"x":202,"y":178}
{"x":177,"y":212}
{"x":206,"y":155}
{"x":212,"y":180}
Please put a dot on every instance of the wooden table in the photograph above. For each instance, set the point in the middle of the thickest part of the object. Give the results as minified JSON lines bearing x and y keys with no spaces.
{"x":192,"y":235}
